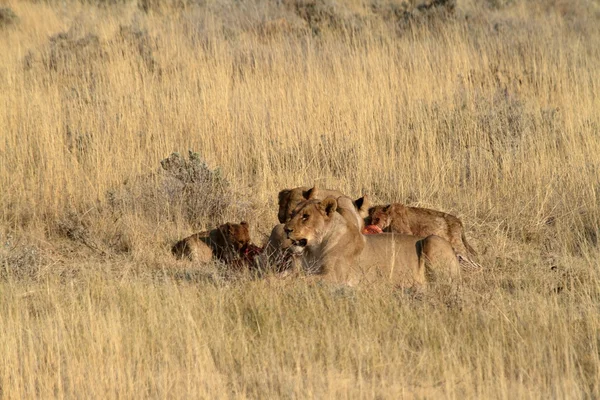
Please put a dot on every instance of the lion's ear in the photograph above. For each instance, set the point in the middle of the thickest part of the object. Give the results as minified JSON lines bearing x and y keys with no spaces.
{"x":362,"y":205}
{"x":230,"y":228}
{"x":387,"y":208}
{"x":283,"y":195}
{"x":244,"y":223}
{"x":329,"y":205}
{"x":311,"y":193}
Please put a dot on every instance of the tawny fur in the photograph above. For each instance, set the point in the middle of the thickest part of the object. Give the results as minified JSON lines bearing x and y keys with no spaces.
{"x":417,"y":221}
{"x":331,"y":245}
{"x":224,"y":243}
{"x":276,"y":252}
{"x":290,"y":198}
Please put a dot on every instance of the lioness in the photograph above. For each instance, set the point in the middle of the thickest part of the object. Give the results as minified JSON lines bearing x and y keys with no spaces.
{"x":330,"y":244}
{"x":354,"y":210}
{"x":226,"y":243}
{"x":277,"y":252}
{"x":418,"y":221}
{"x":290,"y":198}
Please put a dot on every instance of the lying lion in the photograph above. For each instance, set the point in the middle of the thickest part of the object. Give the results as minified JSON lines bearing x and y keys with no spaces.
{"x":226,"y":243}
{"x":290,"y":198}
{"x":418,"y":221}
{"x":277,"y":250}
{"x":331,"y":245}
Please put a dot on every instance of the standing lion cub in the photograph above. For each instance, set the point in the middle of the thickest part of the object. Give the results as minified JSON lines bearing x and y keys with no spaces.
{"x":417,"y":221}
{"x":226,"y":243}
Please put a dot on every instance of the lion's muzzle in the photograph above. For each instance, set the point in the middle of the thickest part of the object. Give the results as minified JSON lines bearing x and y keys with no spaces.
{"x":298,"y":246}
{"x":300,"y":243}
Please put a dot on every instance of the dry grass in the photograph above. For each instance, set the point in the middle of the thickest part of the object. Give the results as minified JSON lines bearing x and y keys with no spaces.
{"x":488,"y":111}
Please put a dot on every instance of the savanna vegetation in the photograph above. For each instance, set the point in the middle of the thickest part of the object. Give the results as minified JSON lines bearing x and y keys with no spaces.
{"x":126,"y":125}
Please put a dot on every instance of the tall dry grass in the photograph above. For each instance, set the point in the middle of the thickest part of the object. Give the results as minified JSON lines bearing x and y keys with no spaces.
{"x":489,"y":112}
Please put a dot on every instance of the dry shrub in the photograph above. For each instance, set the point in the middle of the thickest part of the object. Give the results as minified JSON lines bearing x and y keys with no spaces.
{"x":282,"y":26}
{"x":391,"y":10}
{"x":22,"y":261}
{"x":402,"y":13}
{"x":76,"y":227}
{"x":72,"y":55}
{"x":181,"y":188}
{"x":140,"y":42}
{"x":498,"y":4}
{"x":328,"y":15}
{"x":67,"y":53}
{"x":160,"y":6}
{"x":8,"y":18}
{"x":20,"y":257}
{"x":325,"y":14}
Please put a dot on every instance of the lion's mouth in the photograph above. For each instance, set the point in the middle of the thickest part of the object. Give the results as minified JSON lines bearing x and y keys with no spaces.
{"x":300,"y":243}
{"x":298,"y":246}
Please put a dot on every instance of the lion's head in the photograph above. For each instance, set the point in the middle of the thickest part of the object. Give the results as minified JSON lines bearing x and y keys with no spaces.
{"x":380,"y":216}
{"x":290,"y":198}
{"x":234,"y":236}
{"x":308,"y":222}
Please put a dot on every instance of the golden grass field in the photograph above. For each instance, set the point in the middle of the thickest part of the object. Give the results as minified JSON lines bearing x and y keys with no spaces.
{"x":490,"y":112}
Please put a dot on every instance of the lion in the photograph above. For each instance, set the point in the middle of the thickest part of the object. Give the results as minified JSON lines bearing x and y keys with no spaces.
{"x":276,"y":253}
{"x":417,"y":221}
{"x":354,"y":210}
{"x":330,"y":244}
{"x":277,"y":249}
{"x":226,"y":243}
{"x":290,"y":198}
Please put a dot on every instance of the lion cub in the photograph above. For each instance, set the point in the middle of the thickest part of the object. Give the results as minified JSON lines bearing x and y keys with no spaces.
{"x":417,"y":221}
{"x":226,"y":243}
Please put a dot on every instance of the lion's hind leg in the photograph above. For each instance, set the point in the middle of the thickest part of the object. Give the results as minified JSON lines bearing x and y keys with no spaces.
{"x":438,"y":259}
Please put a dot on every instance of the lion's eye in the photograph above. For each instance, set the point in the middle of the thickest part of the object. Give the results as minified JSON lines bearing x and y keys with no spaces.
{"x":305,"y":217}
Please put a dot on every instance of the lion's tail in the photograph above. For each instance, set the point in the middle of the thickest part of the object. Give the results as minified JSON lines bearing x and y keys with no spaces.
{"x":470,"y":249}
{"x":467,"y":261}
